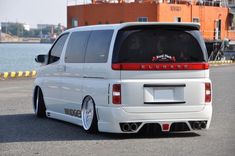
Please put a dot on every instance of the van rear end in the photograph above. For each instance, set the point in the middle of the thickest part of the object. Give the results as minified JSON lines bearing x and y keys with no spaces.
{"x":164,"y":79}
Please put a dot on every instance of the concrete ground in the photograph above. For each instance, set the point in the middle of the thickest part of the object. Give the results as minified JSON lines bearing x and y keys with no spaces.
{"x":21,"y":133}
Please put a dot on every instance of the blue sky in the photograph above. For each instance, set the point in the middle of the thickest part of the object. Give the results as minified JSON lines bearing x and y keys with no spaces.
{"x":34,"y":12}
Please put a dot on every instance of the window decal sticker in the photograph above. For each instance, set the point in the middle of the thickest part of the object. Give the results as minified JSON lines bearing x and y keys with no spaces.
{"x":163,"y":58}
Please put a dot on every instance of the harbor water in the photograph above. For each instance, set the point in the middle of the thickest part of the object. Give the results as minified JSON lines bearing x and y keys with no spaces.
{"x":20,"y":57}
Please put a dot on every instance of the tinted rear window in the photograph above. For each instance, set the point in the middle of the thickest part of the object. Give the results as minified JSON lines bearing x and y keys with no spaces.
{"x":159,"y":45}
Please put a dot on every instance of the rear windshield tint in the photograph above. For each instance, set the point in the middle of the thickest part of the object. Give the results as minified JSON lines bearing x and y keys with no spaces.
{"x":159,"y":46}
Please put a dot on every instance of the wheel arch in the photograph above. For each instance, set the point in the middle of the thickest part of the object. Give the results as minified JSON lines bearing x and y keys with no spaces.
{"x":34,"y":96}
{"x":95,"y":111}
{"x":85,"y":99}
{"x":94,"y":101}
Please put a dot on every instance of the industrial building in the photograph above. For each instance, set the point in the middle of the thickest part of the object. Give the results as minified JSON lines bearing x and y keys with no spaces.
{"x":215,"y":16}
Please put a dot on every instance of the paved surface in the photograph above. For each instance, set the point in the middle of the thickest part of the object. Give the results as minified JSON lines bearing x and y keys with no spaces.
{"x":21,"y":133}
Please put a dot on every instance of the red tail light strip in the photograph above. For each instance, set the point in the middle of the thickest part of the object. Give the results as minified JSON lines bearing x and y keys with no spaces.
{"x":160,"y":66}
{"x":208,"y":95}
{"x":116,"y":94}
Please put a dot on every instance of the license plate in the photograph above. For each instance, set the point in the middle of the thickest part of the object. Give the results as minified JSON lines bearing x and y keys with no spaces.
{"x":164,"y":95}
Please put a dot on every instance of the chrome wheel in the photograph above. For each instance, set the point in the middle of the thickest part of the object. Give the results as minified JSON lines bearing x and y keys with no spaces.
{"x":87,"y":114}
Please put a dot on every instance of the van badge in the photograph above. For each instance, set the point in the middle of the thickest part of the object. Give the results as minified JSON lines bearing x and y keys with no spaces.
{"x":73,"y":112}
{"x":163,"y":58}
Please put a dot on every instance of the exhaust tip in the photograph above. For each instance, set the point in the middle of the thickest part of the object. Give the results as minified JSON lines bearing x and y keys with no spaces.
{"x":197,"y":125}
{"x":134,"y":126}
{"x":126,"y":127}
{"x":203,"y":124}
{"x":130,"y":127}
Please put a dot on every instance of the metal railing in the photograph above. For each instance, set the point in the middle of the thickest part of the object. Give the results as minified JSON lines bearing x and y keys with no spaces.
{"x":218,"y":3}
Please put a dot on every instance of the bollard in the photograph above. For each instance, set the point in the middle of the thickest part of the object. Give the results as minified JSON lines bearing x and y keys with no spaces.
{"x":27,"y":73}
{"x":34,"y":73}
{"x":220,"y":62}
{"x":13,"y":74}
{"x":19,"y":74}
{"x":5,"y":75}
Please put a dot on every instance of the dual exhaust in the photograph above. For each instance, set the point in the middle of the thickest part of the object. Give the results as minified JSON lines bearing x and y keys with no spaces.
{"x":197,"y":125}
{"x":130,"y":127}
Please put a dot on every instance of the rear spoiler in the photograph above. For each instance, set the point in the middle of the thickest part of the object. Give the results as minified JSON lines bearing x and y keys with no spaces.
{"x":154,"y":25}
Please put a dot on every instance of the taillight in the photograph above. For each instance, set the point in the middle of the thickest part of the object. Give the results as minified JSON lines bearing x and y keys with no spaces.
{"x":116,"y":94}
{"x":160,"y":66}
{"x":208,"y":92}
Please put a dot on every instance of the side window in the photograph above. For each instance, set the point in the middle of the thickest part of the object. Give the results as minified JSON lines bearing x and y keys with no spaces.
{"x":76,"y":47}
{"x":98,"y":46}
{"x":57,"y":49}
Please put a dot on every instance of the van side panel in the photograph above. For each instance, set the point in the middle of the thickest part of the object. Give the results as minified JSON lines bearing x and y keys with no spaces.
{"x":99,"y":77}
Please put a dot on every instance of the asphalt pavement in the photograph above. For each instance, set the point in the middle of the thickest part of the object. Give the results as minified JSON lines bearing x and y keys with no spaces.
{"x":22,"y":133}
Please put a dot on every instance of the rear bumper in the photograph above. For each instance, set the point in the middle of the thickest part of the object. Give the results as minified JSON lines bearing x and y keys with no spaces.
{"x":109,"y":118}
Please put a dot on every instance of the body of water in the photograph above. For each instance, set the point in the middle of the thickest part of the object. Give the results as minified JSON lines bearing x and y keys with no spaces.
{"x":20,"y":57}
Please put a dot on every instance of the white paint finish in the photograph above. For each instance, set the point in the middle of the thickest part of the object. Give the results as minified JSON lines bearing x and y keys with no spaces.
{"x":161,"y":74}
{"x":65,"y":85}
{"x":51,"y":86}
{"x":123,"y":25}
{"x":194,"y":94}
{"x":96,"y":82}
{"x":72,"y":85}
{"x":111,"y":117}
{"x":64,"y":117}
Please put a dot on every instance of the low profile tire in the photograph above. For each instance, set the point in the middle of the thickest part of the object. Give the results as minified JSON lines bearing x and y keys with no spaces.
{"x":39,"y":105}
{"x":89,"y":118}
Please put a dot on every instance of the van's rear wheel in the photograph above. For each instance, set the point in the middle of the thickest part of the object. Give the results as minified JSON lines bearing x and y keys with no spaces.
{"x":89,"y":118}
{"x":39,"y":105}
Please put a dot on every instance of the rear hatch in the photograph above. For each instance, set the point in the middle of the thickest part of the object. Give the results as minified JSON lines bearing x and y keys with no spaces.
{"x":162,"y":68}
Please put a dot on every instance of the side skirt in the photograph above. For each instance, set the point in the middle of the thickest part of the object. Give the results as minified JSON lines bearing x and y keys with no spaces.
{"x":64,"y":117}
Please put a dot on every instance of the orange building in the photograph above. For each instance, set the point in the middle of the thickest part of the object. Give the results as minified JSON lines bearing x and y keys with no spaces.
{"x":215,"y":19}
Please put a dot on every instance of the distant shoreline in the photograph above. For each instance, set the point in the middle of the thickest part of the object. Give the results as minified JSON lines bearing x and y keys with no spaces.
{"x":25,"y":43}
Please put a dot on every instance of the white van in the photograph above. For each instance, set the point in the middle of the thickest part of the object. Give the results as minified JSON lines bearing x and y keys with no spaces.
{"x":123,"y":78}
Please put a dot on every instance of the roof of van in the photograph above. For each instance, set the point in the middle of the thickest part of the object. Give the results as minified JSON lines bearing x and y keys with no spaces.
{"x":127,"y":24}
